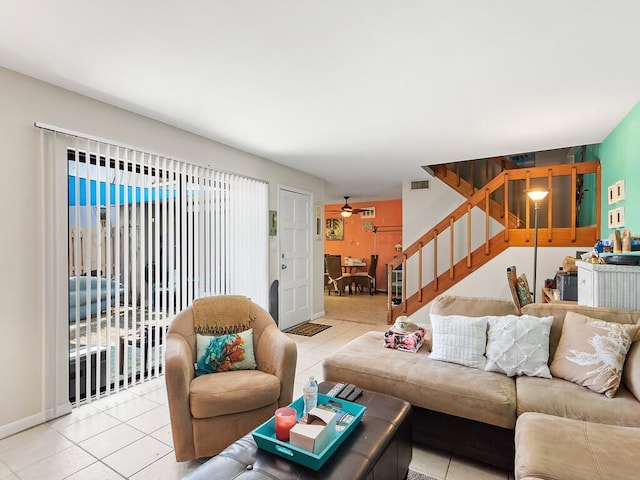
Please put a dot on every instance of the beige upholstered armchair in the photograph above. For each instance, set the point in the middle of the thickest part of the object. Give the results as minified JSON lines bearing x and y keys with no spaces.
{"x":211,"y":411}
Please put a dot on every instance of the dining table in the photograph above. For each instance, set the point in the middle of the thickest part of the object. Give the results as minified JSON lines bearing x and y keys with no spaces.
{"x":354,"y":267}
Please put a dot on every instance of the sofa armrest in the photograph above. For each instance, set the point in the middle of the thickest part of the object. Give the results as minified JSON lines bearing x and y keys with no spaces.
{"x":631,"y":370}
{"x":280,"y":360}
{"x":179,"y":371}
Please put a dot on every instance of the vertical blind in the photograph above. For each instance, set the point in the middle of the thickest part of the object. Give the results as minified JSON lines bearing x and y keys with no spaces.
{"x":147,"y":234}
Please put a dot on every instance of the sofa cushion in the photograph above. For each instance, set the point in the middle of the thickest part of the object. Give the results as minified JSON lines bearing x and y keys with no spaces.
{"x":232,"y":392}
{"x":591,"y":352}
{"x":566,"y":399}
{"x":444,"y":387}
{"x":473,"y":306}
{"x":519,"y":345}
{"x":559,"y":310}
{"x":459,"y":339}
{"x":576,"y":450}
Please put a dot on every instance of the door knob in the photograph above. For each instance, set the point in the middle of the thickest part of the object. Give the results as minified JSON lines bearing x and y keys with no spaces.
{"x":284,"y":267}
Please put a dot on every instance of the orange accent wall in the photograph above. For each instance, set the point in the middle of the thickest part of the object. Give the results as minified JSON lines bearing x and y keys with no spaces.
{"x":359,"y":242}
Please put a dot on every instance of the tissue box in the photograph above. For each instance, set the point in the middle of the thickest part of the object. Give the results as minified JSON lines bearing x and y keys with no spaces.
{"x":317,"y":433}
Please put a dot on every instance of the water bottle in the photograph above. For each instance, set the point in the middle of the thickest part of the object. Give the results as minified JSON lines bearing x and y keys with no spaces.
{"x":310,"y":394}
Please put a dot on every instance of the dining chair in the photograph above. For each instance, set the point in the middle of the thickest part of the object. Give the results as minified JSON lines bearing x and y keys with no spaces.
{"x":338,"y":280}
{"x":367,"y":279}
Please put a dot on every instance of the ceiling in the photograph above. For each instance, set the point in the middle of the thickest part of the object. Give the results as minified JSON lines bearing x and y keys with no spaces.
{"x":358,"y":92}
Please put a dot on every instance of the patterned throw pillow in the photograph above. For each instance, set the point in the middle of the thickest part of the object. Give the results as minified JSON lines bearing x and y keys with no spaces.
{"x":524,"y":293}
{"x":225,"y":352}
{"x":591,"y":352}
{"x":408,"y":342}
{"x":519,"y":345}
{"x":459,"y":339}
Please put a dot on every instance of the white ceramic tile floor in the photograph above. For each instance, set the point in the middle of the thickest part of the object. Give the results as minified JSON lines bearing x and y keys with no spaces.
{"x":128,"y":435}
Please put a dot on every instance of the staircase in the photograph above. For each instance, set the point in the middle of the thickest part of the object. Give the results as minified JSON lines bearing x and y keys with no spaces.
{"x":505,"y":210}
{"x":486,"y":169}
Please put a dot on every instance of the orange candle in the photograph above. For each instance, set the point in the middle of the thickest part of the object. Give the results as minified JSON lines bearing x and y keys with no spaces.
{"x":285,"y":420}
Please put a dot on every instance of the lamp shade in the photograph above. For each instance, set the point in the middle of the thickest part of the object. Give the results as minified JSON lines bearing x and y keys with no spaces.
{"x":346,"y":213}
{"x":538,"y":194}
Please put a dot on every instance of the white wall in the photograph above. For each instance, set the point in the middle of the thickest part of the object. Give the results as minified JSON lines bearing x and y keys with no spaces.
{"x":24,"y":101}
{"x":490,"y":280}
{"x":422,"y":209}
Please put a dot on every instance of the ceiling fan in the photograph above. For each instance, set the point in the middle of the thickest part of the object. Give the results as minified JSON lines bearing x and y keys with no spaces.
{"x":347,"y":210}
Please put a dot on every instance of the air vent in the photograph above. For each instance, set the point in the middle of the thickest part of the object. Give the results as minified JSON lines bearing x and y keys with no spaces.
{"x":420,"y":185}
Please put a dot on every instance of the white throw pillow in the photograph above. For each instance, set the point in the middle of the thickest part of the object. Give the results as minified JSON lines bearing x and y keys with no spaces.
{"x":519,"y":345}
{"x":459,"y":339}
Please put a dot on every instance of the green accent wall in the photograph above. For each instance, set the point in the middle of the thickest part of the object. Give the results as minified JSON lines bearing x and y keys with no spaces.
{"x":620,"y":159}
{"x":587,"y":213}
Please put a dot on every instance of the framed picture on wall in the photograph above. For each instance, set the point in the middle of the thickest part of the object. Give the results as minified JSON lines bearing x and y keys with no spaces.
{"x":273,"y":223}
{"x":368,"y":212}
{"x":318,"y":222}
{"x":334,"y":229}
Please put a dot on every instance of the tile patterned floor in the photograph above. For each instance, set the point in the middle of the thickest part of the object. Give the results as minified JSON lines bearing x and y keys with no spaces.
{"x":128,"y":434}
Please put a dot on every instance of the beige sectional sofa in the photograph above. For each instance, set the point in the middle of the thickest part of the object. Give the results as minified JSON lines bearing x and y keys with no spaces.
{"x":478,"y":413}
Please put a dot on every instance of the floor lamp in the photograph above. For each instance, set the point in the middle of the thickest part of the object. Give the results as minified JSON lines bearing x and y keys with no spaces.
{"x":537,"y":196}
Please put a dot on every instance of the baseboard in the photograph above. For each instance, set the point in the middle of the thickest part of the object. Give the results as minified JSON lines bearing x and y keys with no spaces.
{"x":22,"y":424}
{"x":34,"y":420}
{"x":58,"y":411}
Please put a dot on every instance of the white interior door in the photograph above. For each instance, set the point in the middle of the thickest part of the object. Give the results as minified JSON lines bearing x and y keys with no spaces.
{"x":294,"y":232}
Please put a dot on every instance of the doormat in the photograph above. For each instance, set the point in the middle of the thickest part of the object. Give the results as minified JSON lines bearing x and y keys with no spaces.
{"x":413,"y":475}
{"x":307,"y":329}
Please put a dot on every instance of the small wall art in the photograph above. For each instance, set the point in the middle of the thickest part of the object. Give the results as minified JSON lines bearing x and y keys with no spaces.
{"x":273,"y":223}
{"x":334,"y":229}
{"x":319,"y":222}
{"x":368,"y":212}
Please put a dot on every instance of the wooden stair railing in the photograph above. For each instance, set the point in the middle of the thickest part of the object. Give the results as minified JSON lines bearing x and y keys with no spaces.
{"x":412,"y":258}
{"x":466,"y":189}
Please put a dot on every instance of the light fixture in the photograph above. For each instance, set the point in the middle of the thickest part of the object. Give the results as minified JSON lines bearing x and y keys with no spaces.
{"x":346,"y":210}
{"x":537,"y":196}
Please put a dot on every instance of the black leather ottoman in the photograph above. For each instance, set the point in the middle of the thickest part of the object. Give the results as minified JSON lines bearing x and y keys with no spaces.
{"x":379,"y":448}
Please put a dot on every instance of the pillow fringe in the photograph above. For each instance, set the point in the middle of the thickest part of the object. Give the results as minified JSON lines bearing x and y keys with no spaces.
{"x":222,"y":329}
{"x":222,"y":314}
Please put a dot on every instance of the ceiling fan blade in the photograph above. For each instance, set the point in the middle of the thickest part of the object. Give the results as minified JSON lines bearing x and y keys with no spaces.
{"x":348,"y":208}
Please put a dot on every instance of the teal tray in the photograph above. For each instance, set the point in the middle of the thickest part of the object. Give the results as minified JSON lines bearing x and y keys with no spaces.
{"x":265,"y":434}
